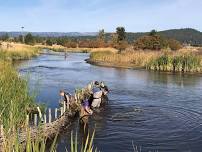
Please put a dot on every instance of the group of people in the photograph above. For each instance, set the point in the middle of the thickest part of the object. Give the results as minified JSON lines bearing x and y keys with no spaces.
{"x":91,"y":100}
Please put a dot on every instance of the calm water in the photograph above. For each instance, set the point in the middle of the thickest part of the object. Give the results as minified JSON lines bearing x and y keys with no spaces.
{"x":157,"y":111}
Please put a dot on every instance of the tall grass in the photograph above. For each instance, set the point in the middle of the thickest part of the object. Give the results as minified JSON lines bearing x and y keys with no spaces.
{"x":181,"y":61}
{"x":18,"y":52}
{"x":14,"y":96}
{"x":59,"y":48}
{"x":135,"y":58}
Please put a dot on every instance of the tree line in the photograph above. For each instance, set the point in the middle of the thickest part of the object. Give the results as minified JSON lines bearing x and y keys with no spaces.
{"x":119,"y":40}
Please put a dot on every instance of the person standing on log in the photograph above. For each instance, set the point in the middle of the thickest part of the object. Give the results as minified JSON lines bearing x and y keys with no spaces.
{"x":66,"y":96}
{"x":97,"y":95}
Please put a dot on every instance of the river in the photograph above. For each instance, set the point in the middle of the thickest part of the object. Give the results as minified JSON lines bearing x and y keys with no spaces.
{"x":155,"y":111}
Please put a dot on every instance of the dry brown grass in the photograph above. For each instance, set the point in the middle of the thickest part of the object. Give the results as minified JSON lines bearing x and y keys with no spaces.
{"x":139,"y":58}
{"x":59,"y":48}
{"x":17,"y":51}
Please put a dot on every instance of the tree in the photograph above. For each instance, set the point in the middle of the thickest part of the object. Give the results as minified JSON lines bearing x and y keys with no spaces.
{"x":121,"y":39}
{"x":49,"y":42}
{"x":5,"y":37}
{"x":20,"y":38}
{"x":120,"y":31}
{"x":101,"y":35}
{"x":100,"y":42}
{"x":153,"y":33}
{"x":29,"y":39}
{"x":174,"y":44}
{"x":151,"y":43}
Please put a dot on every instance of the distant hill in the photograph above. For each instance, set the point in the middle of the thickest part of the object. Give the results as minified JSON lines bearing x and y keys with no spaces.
{"x":51,"y":34}
{"x":186,"y":35}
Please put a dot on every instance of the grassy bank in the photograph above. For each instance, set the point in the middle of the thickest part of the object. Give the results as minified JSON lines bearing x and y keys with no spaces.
{"x":14,"y":96}
{"x":133,"y":59}
{"x":15,"y":51}
{"x":59,"y":48}
{"x":184,"y":60}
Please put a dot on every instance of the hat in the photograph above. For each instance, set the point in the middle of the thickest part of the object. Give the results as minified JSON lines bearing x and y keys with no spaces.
{"x":96,"y":83}
{"x":102,"y":84}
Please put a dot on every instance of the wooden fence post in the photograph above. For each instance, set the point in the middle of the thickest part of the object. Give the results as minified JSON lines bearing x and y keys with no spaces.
{"x":49,"y":115}
{"x":56,"y":113}
{"x":40,"y":114}
{"x":27,"y":121}
{"x":61,"y":111}
{"x":35,"y":119}
{"x":64,"y":106}
{"x":68,"y":105}
{"x":44,"y":118}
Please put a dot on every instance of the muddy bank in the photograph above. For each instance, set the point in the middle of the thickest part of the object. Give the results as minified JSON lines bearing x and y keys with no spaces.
{"x":114,"y":65}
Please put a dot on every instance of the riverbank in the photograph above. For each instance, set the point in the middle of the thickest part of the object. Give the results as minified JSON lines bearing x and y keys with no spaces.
{"x":59,"y":48}
{"x":15,"y":96}
{"x":184,"y":60}
{"x":17,"y":51}
{"x":114,"y":65}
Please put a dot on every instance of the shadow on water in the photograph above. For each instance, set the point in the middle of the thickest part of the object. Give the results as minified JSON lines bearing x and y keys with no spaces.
{"x":157,"y":111}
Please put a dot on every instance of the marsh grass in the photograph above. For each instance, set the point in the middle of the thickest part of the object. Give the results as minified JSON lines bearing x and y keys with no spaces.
{"x":87,"y":146}
{"x":178,"y":62}
{"x":59,"y":48}
{"x":136,"y":58}
{"x":14,"y":96}
{"x":165,"y":60}
{"x":18,"y":52}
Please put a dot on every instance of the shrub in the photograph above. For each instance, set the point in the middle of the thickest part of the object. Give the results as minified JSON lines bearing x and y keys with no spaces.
{"x":174,"y":44}
{"x":150,"y":42}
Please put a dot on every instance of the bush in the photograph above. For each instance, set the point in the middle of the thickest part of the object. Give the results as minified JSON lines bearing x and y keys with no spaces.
{"x":174,"y":44}
{"x":29,"y":39}
{"x":156,"y":42}
{"x":151,"y":42}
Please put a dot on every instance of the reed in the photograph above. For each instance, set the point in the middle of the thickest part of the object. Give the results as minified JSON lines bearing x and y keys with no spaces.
{"x":15,"y":51}
{"x":184,"y":60}
{"x":188,"y":62}
{"x":135,"y":58}
{"x":14,"y":96}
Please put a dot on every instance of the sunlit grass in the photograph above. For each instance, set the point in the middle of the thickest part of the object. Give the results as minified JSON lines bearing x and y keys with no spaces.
{"x":15,"y":51}
{"x":14,"y":96}
{"x":59,"y":48}
{"x":183,"y":60}
{"x":136,"y":58}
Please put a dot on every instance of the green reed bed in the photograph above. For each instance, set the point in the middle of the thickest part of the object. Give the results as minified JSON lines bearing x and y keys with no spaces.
{"x":14,"y":96}
{"x":188,"y":62}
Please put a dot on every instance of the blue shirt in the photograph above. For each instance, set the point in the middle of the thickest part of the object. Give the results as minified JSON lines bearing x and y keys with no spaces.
{"x":85,"y":103}
{"x":96,"y":89}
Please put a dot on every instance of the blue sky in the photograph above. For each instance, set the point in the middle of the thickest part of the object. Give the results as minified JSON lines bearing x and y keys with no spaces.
{"x":92,"y":15}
